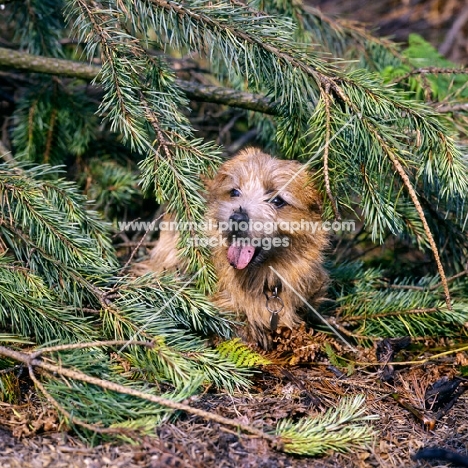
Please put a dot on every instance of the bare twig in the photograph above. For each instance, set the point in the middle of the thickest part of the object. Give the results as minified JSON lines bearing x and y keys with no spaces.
{"x":345,"y":331}
{"x":5,"y":153}
{"x":135,"y":250}
{"x":430,"y":288}
{"x":16,"y":367}
{"x":133,"y":244}
{"x":453,"y":32}
{"x":91,"y":344}
{"x":432,"y":71}
{"x":462,"y":107}
{"x":409,"y":363}
{"x":428,"y":421}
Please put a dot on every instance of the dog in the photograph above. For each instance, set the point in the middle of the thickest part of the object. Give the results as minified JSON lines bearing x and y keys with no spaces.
{"x":263,"y":221}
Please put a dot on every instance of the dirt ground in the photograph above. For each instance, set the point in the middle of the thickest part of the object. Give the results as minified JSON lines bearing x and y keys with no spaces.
{"x":403,"y":426}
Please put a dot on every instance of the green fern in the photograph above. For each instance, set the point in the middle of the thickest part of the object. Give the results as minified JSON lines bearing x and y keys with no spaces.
{"x":420,"y":54}
{"x":240,"y":354}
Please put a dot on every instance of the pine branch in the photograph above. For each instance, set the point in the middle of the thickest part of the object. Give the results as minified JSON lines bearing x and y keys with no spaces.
{"x":101,"y":174}
{"x":74,"y":374}
{"x":29,"y":308}
{"x":292,"y":73}
{"x":44,"y":133}
{"x":69,"y":416}
{"x":318,"y":74}
{"x":394,"y":158}
{"x":160,"y":309}
{"x":414,"y":197}
{"x":46,"y":225}
{"x":337,"y":37}
{"x":406,"y":308}
{"x":64,"y":262}
{"x":326,"y":171}
{"x":41,"y":26}
{"x":72,"y":69}
{"x":339,"y":429}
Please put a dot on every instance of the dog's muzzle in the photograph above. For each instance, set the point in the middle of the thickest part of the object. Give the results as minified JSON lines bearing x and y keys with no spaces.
{"x":240,"y":253}
{"x":239,"y":223}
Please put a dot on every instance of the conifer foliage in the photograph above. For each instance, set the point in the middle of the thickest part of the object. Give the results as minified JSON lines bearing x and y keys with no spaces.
{"x":99,"y":100}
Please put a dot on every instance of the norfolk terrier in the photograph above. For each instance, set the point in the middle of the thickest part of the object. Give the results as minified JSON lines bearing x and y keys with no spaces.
{"x":262,"y":220}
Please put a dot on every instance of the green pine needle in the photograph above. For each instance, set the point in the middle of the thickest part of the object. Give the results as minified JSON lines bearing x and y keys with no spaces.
{"x":408,"y":307}
{"x":340,"y":429}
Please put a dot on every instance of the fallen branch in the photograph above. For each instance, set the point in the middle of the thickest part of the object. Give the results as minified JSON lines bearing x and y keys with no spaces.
{"x":326,"y":172}
{"x":359,"y":318}
{"x":463,"y":107}
{"x":417,"y":362}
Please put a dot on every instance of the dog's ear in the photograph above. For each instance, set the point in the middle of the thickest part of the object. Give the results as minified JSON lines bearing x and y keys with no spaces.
{"x":215,"y":181}
{"x":314,"y":198}
{"x":207,"y":179}
{"x":316,"y":206}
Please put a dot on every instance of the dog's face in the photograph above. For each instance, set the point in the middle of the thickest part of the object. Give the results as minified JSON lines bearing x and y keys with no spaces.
{"x":260,"y":206}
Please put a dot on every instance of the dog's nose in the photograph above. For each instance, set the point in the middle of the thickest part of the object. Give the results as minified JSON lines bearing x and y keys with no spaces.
{"x":239,"y":216}
{"x":239,"y":221}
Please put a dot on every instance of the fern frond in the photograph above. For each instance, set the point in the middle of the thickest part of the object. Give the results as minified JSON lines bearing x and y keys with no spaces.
{"x":240,"y":354}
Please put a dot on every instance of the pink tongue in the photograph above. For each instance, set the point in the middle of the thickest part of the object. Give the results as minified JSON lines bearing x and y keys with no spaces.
{"x":239,"y":256}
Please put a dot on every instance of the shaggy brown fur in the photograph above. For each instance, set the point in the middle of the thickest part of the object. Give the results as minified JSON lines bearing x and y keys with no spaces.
{"x":272,"y":197}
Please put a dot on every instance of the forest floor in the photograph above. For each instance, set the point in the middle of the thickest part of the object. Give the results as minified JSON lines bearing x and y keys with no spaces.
{"x":402,"y":428}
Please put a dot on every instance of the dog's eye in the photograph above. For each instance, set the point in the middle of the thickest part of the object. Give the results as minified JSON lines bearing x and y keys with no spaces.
{"x":234,"y":193}
{"x":278,"y":202}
